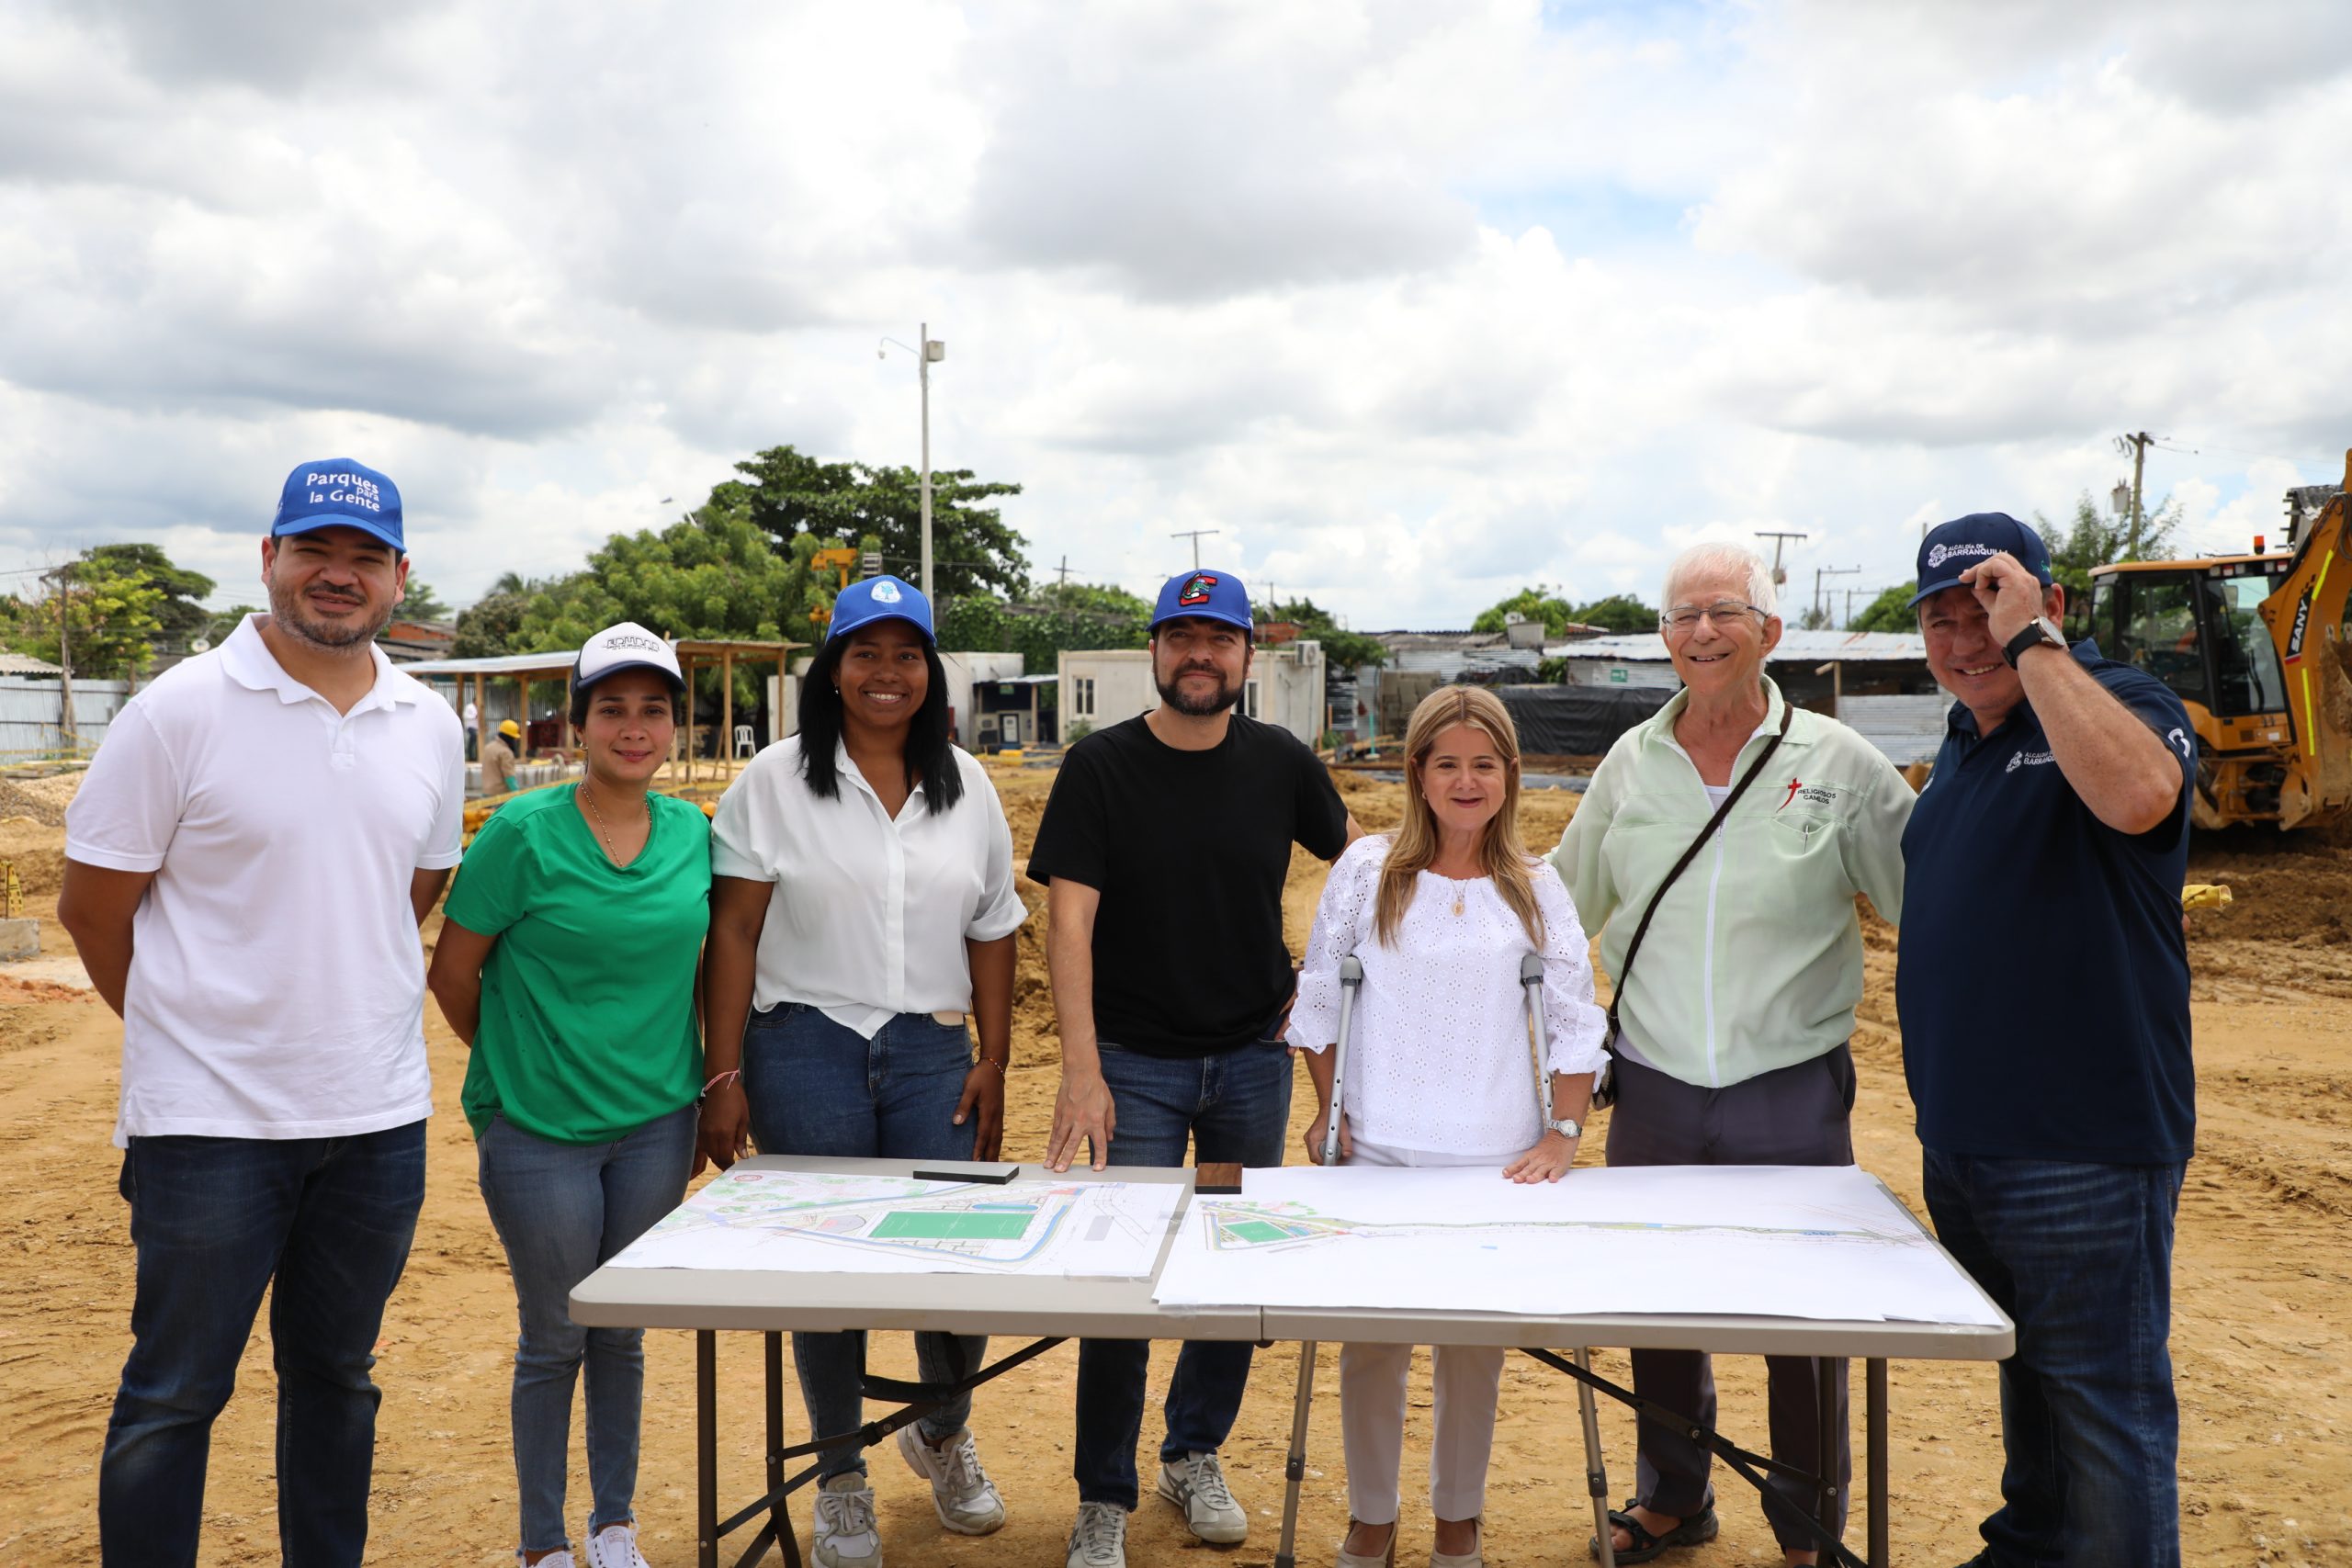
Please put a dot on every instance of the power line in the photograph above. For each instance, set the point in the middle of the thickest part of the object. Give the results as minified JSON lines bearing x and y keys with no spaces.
{"x":2160,"y":444}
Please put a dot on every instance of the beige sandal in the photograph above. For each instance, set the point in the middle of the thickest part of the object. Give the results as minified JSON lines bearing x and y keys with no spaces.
{"x":1350,"y":1560}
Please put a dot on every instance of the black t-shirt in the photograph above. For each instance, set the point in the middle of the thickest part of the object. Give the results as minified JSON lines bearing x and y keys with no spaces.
{"x":2043,"y":980}
{"x":1189,"y":851}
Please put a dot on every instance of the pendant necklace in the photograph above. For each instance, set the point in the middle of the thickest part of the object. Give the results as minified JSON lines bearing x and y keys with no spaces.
{"x":614,"y":855}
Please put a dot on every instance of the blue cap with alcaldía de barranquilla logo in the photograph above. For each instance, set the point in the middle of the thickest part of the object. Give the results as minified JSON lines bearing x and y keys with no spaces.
{"x":339,"y":493}
{"x":884,"y":598}
{"x":1952,"y":547}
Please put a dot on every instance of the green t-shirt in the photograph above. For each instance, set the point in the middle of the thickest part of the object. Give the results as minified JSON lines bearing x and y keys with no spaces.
{"x":587,"y":1026}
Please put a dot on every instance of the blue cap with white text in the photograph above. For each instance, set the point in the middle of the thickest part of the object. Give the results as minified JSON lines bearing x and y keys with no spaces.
{"x":1952,"y":547}
{"x":1212,"y":595}
{"x":875,"y":599}
{"x":339,"y":493}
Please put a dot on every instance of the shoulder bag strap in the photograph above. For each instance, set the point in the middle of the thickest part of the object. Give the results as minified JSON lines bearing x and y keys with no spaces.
{"x":1617,"y":992}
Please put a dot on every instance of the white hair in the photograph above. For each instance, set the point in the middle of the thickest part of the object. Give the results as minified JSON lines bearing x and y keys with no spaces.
{"x":1717,"y":557}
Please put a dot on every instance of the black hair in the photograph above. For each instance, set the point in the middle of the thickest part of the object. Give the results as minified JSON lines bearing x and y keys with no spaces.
{"x":930,"y":743}
{"x":580,"y":695}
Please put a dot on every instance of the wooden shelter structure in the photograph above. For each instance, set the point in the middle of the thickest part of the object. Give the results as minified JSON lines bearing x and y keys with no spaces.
{"x":473,"y":678}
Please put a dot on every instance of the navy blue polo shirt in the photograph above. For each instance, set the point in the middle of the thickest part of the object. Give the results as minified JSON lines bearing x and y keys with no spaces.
{"x":2042,"y":979}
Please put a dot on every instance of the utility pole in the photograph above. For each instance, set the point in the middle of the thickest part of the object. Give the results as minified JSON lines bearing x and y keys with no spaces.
{"x":2137,"y":445}
{"x":931,"y":351}
{"x":1064,"y":570}
{"x":1821,"y":571}
{"x":68,"y":731}
{"x":1778,"y":577}
{"x":1194,"y":534}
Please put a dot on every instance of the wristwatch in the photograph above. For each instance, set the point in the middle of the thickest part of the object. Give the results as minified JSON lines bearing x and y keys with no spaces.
{"x":2039,"y":632}
{"x":1566,"y":1126}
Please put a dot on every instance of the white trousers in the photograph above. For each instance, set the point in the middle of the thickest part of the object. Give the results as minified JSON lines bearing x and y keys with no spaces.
{"x":1465,"y":1379}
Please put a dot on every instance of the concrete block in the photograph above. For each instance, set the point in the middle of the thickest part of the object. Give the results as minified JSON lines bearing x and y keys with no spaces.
{"x":19,"y":939}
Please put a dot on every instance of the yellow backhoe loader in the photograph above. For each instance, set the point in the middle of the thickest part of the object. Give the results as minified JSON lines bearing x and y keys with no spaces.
{"x":2259,"y":647}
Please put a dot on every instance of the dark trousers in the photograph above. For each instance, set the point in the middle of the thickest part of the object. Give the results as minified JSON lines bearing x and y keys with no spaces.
{"x":2080,"y":1257}
{"x":325,"y":1225}
{"x":1794,"y":1116}
{"x":819,"y":1088}
{"x":1234,"y":1106}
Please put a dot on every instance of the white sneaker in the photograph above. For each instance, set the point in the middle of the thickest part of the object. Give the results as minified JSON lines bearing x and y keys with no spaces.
{"x":615,"y":1546}
{"x":1099,"y":1540}
{"x":961,"y":1492}
{"x":846,"y":1534}
{"x":552,"y":1559}
{"x":1196,"y":1485}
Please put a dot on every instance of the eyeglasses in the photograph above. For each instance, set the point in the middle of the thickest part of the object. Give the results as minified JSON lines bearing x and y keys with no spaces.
{"x":1683,"y":617}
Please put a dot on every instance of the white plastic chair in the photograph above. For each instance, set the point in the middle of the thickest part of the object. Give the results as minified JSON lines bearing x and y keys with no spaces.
{"x":744,"y":745}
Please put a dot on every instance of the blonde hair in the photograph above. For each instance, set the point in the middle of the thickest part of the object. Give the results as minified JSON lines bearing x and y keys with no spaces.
{"x":1501,"y":854}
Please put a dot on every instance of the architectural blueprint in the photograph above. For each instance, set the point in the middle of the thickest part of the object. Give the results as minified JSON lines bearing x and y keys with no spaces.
{"x":1778,"y":1241}
{"x":820,"y":1222}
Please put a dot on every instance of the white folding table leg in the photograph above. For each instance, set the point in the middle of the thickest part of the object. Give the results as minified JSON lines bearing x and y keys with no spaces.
{"x":1596,"y":1469}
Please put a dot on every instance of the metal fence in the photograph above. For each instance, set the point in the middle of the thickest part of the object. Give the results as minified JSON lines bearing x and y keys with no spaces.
{"x":31,"y":713}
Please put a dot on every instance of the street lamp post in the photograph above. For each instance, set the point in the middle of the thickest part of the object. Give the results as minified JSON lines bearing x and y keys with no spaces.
{"x":932,"y":352}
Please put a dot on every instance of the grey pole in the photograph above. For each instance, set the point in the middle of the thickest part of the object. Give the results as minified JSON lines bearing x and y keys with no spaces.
{"x":922,"y":374}
{"x":1295,"y":1464}
{"x":1596,"y":1472}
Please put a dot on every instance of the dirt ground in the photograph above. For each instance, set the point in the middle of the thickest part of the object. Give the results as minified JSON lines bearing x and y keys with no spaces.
{"x":2262,"y":1296}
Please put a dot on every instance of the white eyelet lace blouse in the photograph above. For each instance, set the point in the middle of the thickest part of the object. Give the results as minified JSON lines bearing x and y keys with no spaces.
{"x":1441,"y":1059}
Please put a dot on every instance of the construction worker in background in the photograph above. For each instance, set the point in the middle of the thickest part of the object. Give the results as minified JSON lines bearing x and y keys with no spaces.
{"x":246,"y":866}
{"x":499,"y":766}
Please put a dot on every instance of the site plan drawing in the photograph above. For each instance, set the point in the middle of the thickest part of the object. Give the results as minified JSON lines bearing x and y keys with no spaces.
{"x":1778,"y":1241}
{"x":825,"y":1224}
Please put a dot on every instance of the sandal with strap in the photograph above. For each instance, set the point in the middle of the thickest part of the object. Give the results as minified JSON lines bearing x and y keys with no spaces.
{"x":1695,"y":1531}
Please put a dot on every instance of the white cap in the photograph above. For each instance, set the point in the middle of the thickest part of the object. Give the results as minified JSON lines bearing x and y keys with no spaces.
{"x":624,"y":646}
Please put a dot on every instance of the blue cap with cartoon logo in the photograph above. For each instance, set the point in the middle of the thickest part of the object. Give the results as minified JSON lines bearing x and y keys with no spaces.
{"x":1952,"y":547}
{"x":1212,"y":595}
{"x":339,"y":493}
{"x":875,"y":599}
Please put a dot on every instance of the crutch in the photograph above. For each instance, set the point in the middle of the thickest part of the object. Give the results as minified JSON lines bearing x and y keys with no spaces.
{"x":1596,"y":1472}
{"x":1294,"y":1467}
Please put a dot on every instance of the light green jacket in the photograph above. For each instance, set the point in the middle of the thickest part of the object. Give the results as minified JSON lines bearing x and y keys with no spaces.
{"x":1755,"y":958}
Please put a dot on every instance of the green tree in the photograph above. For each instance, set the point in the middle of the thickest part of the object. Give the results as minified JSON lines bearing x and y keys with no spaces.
{"x":1618,"y":613}
{"x":493,"y":624}
{"x":1342,"y":649}
{"x":982,"y":622}
{"x":713,"y":574}
{"x":1890,"y":612}
{"x":105,"y":611}
{"x":1537,"y":604}
{"x":792,"y":495}
{"x":221,"y":623}
{"x":180,"y":615}
{"x":421,"y":604}
{"x":2090,"y":540}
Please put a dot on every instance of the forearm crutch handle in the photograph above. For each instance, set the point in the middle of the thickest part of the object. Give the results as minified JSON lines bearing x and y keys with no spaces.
{"x":1350,"y":982}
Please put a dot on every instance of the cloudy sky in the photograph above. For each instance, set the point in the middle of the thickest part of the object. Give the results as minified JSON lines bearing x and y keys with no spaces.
{"x":1412,"y":302}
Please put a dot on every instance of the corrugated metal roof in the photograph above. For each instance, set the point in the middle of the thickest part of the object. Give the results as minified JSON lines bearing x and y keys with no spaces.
{"x":25,"y":664}
{"x":1853,"y":647}
{"x":1909,"y":729}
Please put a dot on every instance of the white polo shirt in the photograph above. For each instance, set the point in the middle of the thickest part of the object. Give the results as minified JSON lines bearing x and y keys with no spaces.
{"x":870,"y":914}
{"x":276,"y":985}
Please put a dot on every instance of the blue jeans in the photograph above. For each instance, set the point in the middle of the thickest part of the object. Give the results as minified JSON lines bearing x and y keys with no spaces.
{"x":561,"y":1210}
{"x":2080,"y":1256}
{"x":323,"y":1224}
{"x":815,"y":1087}
{"x":1234,"y":1106}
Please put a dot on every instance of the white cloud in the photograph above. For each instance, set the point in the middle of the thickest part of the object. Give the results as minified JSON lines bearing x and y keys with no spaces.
{"x":1415,"y":304}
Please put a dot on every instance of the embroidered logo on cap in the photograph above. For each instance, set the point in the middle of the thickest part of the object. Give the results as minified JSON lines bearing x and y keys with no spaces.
{"x":1939,"y":554}
{"x":885,"y":592}
{"x":1196,"y":591}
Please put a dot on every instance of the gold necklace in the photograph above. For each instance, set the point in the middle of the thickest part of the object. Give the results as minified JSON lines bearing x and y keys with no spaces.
{"x":614,"y":855}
